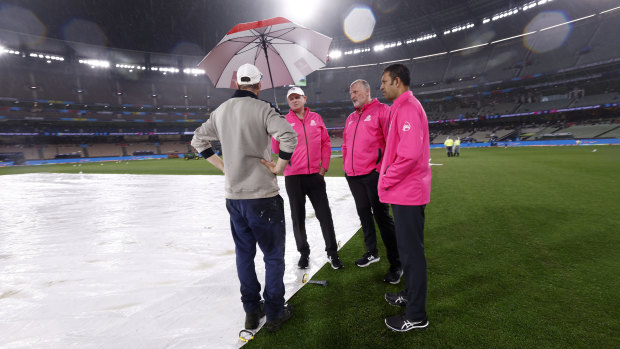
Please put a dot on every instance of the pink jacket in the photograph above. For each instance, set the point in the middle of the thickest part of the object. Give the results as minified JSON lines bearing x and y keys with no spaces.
{"x":313,"y":149}
{"x":363,"y":139}
{"x":405,"y":177}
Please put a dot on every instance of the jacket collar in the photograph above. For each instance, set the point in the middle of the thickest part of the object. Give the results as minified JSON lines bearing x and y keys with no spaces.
{"x":244,"y":93}
{"x":368,"y":105}
{"x":306,"y":112}
{"x":403,"y":97}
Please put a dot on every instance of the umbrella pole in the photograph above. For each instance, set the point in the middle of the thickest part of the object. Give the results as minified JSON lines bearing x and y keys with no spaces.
{"x":264,"y":44}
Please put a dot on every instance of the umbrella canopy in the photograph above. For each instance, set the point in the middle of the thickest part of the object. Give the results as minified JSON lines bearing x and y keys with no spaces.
{"x":283,"y":51}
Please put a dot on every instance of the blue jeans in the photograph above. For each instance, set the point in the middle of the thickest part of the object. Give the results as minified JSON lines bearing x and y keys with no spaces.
{"x":259,"y":221}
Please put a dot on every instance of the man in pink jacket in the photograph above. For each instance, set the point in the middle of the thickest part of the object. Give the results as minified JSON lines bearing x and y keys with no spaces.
{"x":304,"y":177}
{"x":363,"y":146}
{"x":405,"y":183}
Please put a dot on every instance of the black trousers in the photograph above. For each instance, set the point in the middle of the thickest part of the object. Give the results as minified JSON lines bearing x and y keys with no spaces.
{"x":313,"y":186}
{"x":409,"y":222}
{"x":364,"y":191}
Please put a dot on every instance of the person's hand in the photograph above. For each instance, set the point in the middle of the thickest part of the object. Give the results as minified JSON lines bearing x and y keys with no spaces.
{"x":322,"y":171}
{"x":270,"y":165}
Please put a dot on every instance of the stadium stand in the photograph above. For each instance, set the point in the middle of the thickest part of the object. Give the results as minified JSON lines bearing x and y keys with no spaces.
{"x":587,"y":131}
{"x":559,"y":47}
{"x":494,"y":89}
{"x":547,"y":130}
{"x":613,"y":133}
{"x":599,"y":49}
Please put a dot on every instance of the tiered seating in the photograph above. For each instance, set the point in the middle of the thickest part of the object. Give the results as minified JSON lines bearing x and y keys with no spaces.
{"x":173,"y":147}
{"x":505,"y":59}
{"x":556,"y":104}
{"x":497,"y":109}
{"x":30,"y":153}
{"x":613,"y":133}
{"x":103,"y":150}
{"x":336,"y":142}
{"x":132,"y":147}
{"x":467,"y":63}
{"x":546,"y":130}
{"x":429,"y":69}
{"x":501,"y":133}
{"x":481,"y":136}
{"x":587,"y":131}
{"x":602,"y":46}
{"x":566,"y":54}
{"x":597,"y":99}
{"x":51,"y":150}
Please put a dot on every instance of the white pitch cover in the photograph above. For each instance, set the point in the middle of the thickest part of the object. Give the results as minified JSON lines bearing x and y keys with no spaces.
{"x":132,"y":261}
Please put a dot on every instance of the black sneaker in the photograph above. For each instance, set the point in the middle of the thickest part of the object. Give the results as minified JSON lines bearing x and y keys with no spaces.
{"x":252,"y":320}
{"x":335,"y":262}
{"x":367,"y":259}
{"x":400,"y":323}
{"x":286,"y":314}
{"x":303,"y":262}
{"x":393,"y":275}
{"x":398,"y":299}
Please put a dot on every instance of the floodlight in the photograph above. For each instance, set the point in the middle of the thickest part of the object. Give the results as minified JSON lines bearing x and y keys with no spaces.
{"x":300,"y":10}
{"x":193,"y":71}
{"x":335,"y":54}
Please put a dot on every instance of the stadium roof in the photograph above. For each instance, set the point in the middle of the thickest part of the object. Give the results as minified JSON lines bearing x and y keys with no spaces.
{"x":193,"y":27}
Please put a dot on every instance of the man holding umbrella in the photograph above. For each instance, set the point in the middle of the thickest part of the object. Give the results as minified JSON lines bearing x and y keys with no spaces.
{"x":243,"y":125}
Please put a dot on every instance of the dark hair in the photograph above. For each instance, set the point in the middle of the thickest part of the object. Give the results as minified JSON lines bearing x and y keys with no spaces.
{"x":398,"y":71}
{"x":248,"y":87}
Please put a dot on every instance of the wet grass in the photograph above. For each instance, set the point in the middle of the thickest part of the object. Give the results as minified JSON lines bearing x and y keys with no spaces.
{"x":523,"y":250}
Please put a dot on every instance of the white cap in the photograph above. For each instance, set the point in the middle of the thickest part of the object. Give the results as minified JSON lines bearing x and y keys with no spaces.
{"x":296,"y":90}
{"x":248,"y":75}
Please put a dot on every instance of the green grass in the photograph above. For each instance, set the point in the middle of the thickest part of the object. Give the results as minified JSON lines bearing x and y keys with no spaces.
{"x":522,"y":247}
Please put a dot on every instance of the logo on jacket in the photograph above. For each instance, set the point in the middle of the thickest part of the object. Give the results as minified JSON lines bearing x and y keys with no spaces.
{"x":367,"y":118}
{"x":312,"y":123}
{"x":406,"y":127}
{"x":350,"y":122}
{"x":293,"y":124}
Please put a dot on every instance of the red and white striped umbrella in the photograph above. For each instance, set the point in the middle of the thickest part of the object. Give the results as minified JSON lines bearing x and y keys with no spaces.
{"x":282,"y":50}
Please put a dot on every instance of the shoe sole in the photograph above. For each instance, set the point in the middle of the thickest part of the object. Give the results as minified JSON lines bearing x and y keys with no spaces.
{"x":394,"y":282}
{"x":336,"y":268}
{"x":394,"y":304}
{"x":417,"y":327}
{"x":369,"y":262}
